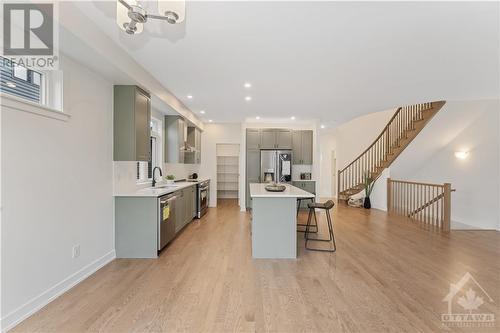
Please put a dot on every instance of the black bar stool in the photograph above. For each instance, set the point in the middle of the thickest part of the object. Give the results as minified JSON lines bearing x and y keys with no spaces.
{"x":327,"y":206}
{"x":299,"y":201}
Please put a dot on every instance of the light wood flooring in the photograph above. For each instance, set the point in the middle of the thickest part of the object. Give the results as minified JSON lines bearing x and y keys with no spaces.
{"x":388,"y":275}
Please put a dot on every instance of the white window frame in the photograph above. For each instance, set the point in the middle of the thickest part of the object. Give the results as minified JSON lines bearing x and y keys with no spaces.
{"x":156,"y":153}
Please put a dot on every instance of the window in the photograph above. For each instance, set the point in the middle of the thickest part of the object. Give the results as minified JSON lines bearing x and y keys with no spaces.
{"x":144,"y":170}
{"x":19,"y":81}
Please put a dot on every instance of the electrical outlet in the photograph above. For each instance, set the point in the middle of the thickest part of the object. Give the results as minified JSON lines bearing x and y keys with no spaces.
{"x":76,"y":251}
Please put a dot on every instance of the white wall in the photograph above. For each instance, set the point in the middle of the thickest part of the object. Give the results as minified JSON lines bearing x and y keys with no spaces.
{"x":348,"y":141}
{"x":213,"y":134}
{"x":460,"y":125}
{"x":56,"y":193}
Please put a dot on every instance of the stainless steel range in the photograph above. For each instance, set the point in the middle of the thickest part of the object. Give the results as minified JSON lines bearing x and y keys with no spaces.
{"x":203,"y":197}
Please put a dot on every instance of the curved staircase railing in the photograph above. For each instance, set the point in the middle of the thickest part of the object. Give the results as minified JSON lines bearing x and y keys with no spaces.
{"x":401,"y":129}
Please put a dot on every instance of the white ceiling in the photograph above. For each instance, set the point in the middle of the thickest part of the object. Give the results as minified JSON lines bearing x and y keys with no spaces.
{"x":331,"y":61}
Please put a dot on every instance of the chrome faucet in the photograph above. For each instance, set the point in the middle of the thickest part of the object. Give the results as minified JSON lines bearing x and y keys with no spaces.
{"x":161,"y":175}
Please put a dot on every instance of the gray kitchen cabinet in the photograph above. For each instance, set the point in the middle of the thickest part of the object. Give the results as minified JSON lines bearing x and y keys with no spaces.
{"x":297,"y":147}
{"x":185,"y":207}
{"x":175,"y":137}
{"x":193,"y":142}
{"x":136,"y":227}
{"x":302,"y":145}
{"x":252,"y":172}
{"x":268,"y":139}
{"x":283,"y":139}
{"x":198,"y":147}
{"x":276,"y":138}
{"x":131,"y":124}
{"x":190,"y":195}
{"x":307,"y":147}
{"x":253,"y":138}
{"x":308,"y":186}
{"x":180,"y":209}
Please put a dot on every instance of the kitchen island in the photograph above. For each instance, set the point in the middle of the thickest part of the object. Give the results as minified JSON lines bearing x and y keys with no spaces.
{"x":274,"y":221}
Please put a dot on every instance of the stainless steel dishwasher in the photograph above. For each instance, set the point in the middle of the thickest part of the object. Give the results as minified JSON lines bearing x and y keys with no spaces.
{"x":166,"y":219}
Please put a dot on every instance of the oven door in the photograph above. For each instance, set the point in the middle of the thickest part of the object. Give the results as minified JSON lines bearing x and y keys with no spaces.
{"x":203,"y":199}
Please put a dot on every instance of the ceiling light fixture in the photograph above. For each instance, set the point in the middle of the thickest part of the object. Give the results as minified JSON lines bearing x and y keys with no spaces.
{"x":322,"y":126}
{"x":292,"y":117}
{"x":247,"y":85}
{"x":130,"y":16}
{"x":257,"y":117}
{"x":189,"y":96}
{"x":210,"y":120}
{"x":10,"y":84}
{"x":202,"y":111}
{"x":248,"y":98}
{"x":462,"y":155}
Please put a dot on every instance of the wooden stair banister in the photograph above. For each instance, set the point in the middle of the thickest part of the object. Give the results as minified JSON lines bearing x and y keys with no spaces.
{"x":401,"y":129}
{"x":427,"y":203}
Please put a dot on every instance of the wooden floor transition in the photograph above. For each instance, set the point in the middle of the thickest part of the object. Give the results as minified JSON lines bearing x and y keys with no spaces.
{"x":387,"y":275}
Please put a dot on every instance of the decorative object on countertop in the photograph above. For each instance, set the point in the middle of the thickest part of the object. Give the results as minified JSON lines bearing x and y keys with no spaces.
{"x":194,"y":176}
{"x":369,"y":184}
{"x":170,"y":179}
{"x":305,"y":176}
{"x":275,"y":188}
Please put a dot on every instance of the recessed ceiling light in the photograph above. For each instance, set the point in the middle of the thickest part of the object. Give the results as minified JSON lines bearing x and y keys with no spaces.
{"x":210,"y":120}
{"x":322,"y":126}
{"x":247,"y":85}
{"x":202,"y":111}
{"x":248,"y":98}
{"x":10,"y":84}
{"x":189,"y":96}
{"x":292,"y":117}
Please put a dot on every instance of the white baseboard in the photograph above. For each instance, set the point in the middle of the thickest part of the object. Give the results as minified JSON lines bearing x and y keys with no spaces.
{"x":38,"y":302}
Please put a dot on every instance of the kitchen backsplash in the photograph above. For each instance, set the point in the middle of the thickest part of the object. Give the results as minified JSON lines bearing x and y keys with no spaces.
{"x":125,"y":174}
{"x":297,"y":169}
{"x":180,"y":170}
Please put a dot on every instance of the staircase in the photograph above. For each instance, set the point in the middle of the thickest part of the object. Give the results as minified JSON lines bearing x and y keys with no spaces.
{"x":401,"y":129}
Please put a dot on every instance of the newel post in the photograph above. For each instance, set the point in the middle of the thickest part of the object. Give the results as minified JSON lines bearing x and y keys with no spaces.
{"x":389,"y":195}
{"x":447,"y":207}
{"x":338,"y":185}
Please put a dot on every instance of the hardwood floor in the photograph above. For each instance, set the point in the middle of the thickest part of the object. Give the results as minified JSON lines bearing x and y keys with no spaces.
{"x":387,"y":275}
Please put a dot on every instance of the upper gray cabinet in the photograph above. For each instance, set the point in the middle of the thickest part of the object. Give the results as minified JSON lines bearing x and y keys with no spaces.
{"x":131,"y":124}
{"x":276,"y":139}
{"x":193,"y":146}
{"x":253,"y":138}
{"x":175,"y":139}
{"x":182,"y":142}
{"x":268,"y":139}
{"x":284,"y":139}
{"x":302,"y":145}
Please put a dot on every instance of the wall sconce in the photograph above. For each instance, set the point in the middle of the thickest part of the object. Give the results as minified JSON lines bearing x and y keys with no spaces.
{"x":461,"y":155}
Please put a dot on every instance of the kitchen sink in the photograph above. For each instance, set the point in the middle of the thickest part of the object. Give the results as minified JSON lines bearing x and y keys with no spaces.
{"x":164,"y":186}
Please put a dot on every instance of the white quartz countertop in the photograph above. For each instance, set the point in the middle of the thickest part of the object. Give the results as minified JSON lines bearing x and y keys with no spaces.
{"x":258,"y":190}
{"x":161,"y":188}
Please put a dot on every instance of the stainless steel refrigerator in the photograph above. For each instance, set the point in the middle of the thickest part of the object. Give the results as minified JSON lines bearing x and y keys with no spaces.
{"x":276,"y":166}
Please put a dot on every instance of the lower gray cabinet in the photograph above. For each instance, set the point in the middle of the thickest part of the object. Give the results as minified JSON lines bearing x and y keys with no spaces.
{"x":180,"y":209}
{"x":252,"y":172}
{"x":308,"y":186}
{"x":185,"y":207}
